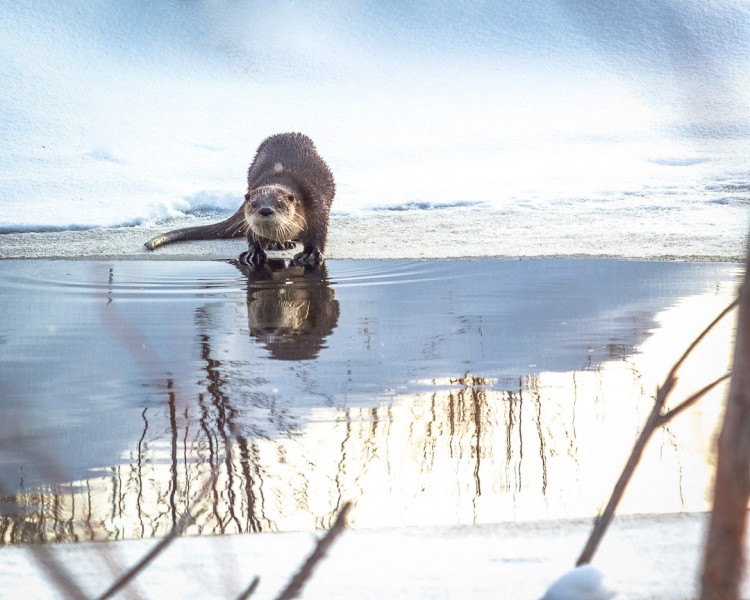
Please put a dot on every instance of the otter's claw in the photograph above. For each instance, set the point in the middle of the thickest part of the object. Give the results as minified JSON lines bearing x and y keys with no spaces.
{"x":308,"y":258}
{"x":254,"y":257}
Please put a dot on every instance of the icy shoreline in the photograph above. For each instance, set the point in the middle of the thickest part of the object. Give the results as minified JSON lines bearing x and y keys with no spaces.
{"x":464,"y":232}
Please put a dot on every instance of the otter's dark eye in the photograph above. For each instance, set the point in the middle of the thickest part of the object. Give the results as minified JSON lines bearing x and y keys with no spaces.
{"x":254,"y":203}
{"x":290,"y":198}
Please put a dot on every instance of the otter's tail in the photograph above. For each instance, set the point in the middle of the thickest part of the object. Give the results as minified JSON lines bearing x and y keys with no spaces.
{"x":234,"y":226}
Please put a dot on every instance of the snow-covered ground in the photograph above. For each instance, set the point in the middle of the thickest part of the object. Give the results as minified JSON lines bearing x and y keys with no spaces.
{"x":641,"y":558}
{"x":502,"y":127}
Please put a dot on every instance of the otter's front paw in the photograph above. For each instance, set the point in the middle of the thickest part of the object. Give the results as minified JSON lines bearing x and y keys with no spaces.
{"x":254,"y":257}
{"x":308,"y":258}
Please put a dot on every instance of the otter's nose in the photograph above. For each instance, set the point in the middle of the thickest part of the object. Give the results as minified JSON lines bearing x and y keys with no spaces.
{"x":266,"y":211}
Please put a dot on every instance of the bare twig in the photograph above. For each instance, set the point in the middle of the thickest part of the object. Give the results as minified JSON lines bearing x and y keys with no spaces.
{"x":49,"y":564}
{"x":672,"y":374}
{"x":305,"y":571}
{"x":687,"y":403}
{"x":600,"y":527}
{"x":250,"y":589}
{"x":654,"y":420}
{"x":185,"y":520}
{"x":56,"y":571}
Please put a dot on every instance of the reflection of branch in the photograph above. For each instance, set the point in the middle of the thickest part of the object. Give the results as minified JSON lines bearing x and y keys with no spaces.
{"x":655,"y":419}
{"x":304,"y":573}
{"x":173,"y":449}
{"x":477,"y":398}
{"x":254,"y":523}
{"x":225,"y":426}
{"x":185,"y":520}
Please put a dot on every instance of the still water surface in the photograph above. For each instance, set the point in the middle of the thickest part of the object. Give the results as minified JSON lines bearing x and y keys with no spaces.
{"x":433,"y":392}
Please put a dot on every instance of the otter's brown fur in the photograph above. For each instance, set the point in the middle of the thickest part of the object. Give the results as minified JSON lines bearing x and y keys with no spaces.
{"x":289,"y":193}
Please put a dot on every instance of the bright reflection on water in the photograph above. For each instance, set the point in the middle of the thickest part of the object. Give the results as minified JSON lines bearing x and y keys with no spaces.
{"x":445,"y":392}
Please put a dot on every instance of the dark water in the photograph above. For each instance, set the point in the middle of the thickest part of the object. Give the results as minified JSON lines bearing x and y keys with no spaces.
{"x":438,"y":392}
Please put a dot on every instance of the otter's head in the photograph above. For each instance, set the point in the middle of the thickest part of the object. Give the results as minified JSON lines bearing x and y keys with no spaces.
{"x":274,"y":212}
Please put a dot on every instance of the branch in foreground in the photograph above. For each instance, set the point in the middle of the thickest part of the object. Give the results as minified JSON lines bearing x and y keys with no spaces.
{"x":250,"y":589}
{"x":655,"y":419}
{"x":724,"y":555}
{"x":672,"y":373}
{"x":49,"y":564}
{"x":56,"y":571}
{"x":305,"y":572}
{"x":687,"y":403}
{"x":185,"y":520}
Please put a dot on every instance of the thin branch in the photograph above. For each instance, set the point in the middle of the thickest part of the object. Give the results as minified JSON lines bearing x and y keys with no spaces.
{"x":687,"y":403}
{"x":698,"y":340}
{"x":602,"y":523}
{"x":305,"y":571}
{"x":56,"y":571}
{"x":186,"y":519}
{"x":250,"y":589}
{"x":655,"y":419}
{"x":53,"y":568}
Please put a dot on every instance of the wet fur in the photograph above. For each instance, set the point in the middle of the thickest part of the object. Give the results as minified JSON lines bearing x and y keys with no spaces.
{"x":288,"y":218}
{"x":290,"y":164}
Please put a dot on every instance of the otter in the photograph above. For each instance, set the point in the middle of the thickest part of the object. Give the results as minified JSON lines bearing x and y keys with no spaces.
{"x":289,"y":194}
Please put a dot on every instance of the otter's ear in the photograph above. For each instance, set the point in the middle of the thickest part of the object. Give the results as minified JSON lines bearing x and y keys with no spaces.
{"x":247,"y":196}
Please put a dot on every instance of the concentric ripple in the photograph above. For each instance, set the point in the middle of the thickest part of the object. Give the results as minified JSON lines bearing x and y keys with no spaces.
{"x":124,"y":279}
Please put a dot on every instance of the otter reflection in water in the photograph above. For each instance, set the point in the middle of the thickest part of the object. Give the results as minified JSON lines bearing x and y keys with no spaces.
{"x":291,"y":309}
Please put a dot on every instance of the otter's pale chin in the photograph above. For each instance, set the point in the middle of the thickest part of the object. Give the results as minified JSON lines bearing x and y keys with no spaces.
{"x":277,"y":228}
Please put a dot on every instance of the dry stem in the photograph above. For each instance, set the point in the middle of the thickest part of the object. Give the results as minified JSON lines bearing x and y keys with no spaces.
{"x":655,"y":419}
{"x":305,"y":572}
{"x":724,"y":552}
{"x":185,"y":520}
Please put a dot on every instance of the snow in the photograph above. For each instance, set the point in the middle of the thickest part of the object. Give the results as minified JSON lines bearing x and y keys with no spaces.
{"x":518,"y":561}
{"x":582,"y":583}
{"x":140,"y":114}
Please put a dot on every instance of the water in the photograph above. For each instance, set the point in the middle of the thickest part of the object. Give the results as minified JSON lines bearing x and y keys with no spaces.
{"x":427,"y":392}
{"x":632,"y":115}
